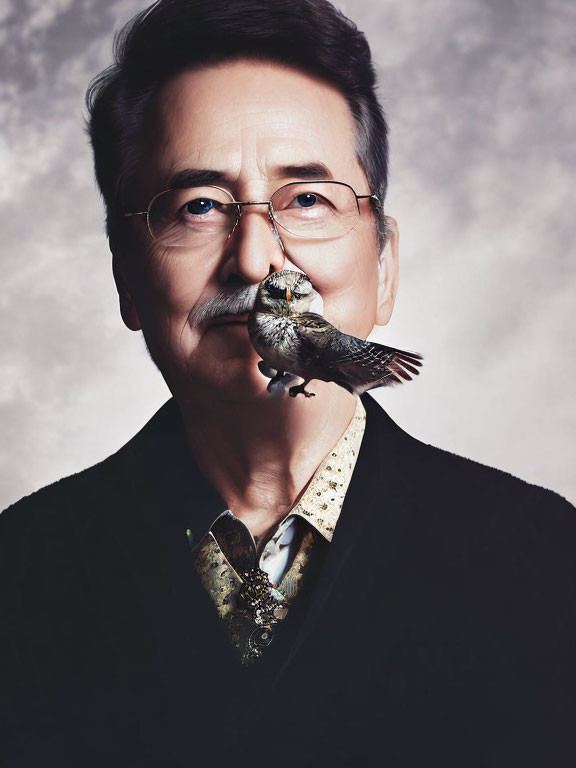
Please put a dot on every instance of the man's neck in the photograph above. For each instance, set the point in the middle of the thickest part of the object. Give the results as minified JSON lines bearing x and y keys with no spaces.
{"x":261,"y":455}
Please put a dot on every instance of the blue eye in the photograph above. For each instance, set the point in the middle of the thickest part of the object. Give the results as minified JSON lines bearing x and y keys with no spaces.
{"x":199,"y":206}
{"x":306,"y":199}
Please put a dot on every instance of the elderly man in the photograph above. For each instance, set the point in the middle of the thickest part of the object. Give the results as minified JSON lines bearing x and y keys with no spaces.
{"x":258,"y":580}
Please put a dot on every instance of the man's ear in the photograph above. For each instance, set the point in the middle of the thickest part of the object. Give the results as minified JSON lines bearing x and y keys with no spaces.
{"x":127,"y":307}
{"x":388,"y":273}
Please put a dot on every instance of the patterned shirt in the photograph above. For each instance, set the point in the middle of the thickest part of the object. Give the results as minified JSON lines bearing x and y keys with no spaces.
{"x":254,"y":583}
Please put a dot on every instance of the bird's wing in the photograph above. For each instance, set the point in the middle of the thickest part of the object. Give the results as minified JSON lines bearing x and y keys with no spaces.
{"x":312,"y":322}
{"x":313,"y":333}
{"x":359,"y":365}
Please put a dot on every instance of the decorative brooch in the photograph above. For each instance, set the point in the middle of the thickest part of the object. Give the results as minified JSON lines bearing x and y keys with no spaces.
{"x":266,"y":606}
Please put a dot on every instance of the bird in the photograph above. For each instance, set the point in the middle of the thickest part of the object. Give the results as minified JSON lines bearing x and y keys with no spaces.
{"x":295,"y":342}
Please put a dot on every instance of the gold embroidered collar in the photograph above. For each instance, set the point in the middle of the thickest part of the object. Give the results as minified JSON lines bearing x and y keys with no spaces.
{"x":321,"y":502}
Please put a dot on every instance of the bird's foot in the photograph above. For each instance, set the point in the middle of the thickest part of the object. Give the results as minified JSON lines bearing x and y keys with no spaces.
{"x":299,"y":390}
{"x":276,"y":385}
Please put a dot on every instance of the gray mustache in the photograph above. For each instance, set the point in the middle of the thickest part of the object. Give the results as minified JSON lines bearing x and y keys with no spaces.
{"x":231,"y":300}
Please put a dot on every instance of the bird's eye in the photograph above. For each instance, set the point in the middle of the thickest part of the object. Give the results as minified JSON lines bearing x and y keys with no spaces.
{"x":275,"y":290}
{"x":304,"y":288}
{"x":199,"y":206}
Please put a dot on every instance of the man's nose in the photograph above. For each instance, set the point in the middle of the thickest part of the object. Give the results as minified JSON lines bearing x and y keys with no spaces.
{"x":253,"y":250}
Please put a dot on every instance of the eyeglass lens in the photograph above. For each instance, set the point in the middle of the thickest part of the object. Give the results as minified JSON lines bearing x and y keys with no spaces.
{"x":197,"y":216}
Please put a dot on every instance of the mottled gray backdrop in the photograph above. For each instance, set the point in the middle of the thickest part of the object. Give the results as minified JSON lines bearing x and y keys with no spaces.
{"x":480,"y":99}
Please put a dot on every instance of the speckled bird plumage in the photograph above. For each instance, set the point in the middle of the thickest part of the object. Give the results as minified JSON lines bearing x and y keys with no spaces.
{"x":292,"y":340}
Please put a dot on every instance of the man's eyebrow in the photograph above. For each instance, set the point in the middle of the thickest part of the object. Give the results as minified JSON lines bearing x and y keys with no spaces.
{"x":198,"y":177}
{"x":314,"y":170}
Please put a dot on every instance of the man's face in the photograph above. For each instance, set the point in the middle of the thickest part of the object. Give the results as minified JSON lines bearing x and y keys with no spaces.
{"x":254,"y":123}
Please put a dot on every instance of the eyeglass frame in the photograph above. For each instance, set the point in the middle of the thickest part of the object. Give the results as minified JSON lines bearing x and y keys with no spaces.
{"x":240,"y":206}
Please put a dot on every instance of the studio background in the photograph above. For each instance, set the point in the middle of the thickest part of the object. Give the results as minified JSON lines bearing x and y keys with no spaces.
{"x":479,"y":97}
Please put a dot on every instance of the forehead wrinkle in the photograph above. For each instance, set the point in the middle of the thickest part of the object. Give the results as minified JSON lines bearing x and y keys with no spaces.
{"x":246,"y":138}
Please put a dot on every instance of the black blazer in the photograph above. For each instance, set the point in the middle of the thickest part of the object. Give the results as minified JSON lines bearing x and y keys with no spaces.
{"x":438,"y":628}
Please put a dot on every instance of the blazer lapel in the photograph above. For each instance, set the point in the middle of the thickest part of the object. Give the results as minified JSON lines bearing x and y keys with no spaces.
{"x":167,"y":496}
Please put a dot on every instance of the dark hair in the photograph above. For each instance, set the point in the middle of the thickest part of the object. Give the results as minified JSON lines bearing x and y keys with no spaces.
{"x":174,"y":35}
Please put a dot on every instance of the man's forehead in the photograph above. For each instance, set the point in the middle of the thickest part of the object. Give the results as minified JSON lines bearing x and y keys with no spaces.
{"x":266,"y":127}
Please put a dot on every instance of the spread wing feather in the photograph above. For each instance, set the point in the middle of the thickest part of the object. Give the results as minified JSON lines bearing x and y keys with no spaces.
{"x":355,"y":364}
{"x":362,"y":365}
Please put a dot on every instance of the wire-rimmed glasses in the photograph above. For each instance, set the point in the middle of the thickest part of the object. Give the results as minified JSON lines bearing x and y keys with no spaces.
{"x":195,"y":216}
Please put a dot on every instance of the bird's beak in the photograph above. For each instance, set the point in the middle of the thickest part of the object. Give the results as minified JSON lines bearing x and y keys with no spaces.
{"x":288,"y":294}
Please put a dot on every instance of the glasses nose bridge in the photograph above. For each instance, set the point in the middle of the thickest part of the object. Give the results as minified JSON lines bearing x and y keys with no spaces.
{"x":241,"y":205}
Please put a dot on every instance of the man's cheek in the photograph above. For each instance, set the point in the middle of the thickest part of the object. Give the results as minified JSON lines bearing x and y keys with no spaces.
{"x":334,"y":269}
{"x":174,"y":293}
{"x":165,"y":274}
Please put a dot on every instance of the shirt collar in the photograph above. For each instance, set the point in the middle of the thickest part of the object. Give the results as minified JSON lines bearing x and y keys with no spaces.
{"x":321,"y":502}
